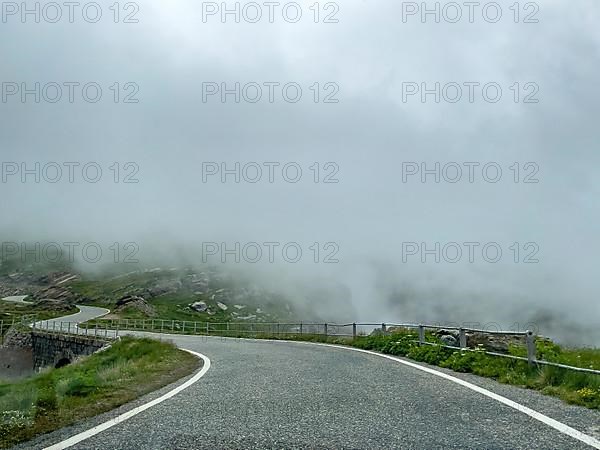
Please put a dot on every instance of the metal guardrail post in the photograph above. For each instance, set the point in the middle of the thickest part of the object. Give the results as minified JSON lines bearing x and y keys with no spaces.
{"x":207,"y":329}
{"x":383,"y":328}
{"x":183,"y":329}
{"x":325,"y":329}
{"x":462,"y":338}
{"x":531,"y":350}
{"x":354,"y":330}
{"x":421,"y":334}
{"x":300,"y":327}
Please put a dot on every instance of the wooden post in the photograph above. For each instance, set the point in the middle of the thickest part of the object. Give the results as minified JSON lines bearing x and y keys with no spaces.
{"x":462,"y":337}
{"x":531,"y":350}
{"x":421,"y":334}
{"x":354,"y":330}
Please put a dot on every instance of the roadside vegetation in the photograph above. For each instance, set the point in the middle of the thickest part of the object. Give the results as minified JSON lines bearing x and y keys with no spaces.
{"x":56,"y":398}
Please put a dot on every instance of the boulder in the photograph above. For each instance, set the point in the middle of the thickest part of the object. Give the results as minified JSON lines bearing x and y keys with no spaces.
{"x":222,"y":306}
{"x":136,"y":302}
{"x":199,"y":306}
{"x":450,"y":340}
{"x":498,"y":343}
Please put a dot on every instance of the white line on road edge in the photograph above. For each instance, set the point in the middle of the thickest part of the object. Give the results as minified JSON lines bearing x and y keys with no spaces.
{"x":565,"y":429}
{"x":135,"y":411}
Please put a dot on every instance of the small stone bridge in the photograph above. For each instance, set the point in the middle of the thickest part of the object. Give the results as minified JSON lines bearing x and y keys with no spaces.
{"x":25,"y":352}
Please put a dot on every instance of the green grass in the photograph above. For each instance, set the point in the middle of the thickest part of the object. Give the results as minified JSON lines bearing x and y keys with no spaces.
{"x":95,"y":384}
{"x":105,"y":292}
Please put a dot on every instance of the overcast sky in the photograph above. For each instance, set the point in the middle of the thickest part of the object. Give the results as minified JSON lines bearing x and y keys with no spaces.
{"x":369,"y":61}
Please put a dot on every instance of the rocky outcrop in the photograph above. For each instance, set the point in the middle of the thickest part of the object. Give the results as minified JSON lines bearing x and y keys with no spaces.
{"x":499,"y":343}
{"x":135,"y":302}
{"x":199,"y":306}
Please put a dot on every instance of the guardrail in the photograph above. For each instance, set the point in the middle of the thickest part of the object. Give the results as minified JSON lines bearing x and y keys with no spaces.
{"x":110,"y":328}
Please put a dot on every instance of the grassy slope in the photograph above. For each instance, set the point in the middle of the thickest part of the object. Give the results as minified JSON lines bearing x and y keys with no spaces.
{"x":174,"y":306}
{"x":99,"y":383}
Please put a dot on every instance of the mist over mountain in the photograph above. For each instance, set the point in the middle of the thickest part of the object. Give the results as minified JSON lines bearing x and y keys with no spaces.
{"x":383,"y":234}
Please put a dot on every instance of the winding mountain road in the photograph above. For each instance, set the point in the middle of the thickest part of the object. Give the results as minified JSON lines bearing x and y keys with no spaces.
{"x":263,"y":394}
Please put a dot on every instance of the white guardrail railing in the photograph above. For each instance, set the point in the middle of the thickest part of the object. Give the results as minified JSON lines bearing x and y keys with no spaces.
{"x":110,"y":329}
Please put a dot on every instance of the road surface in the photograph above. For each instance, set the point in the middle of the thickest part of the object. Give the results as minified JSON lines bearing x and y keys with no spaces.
{"x":17,"y":299}
{"x":262,"y":394}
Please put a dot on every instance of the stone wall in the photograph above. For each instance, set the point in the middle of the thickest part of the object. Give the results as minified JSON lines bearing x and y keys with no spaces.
{"x":26,"y":351}
{"x":15,"y":363}
{"x":58,"y":350}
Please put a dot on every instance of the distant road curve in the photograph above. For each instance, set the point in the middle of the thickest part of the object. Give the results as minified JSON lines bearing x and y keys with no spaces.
{"x":17,"y":299}
{"x":267,"y":394}
{"x":85,"y":313}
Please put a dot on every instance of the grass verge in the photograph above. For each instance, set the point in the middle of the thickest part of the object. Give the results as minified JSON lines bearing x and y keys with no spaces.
{"x":56,"y":398}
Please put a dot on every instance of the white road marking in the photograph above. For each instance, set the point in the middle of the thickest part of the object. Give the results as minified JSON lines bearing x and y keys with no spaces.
{"x":135,"y":411}
{"x":559,"y":426}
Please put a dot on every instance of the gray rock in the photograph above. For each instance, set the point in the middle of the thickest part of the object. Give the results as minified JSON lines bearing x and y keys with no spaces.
{"x":199,"y":306}
{"x":449,"y":340}
{"x":222,"y":306}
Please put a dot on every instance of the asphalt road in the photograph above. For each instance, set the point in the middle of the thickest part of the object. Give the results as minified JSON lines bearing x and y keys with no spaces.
{"x":85,"y":313}
{"x":17,"y":299}
{"x":261,"y":394}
